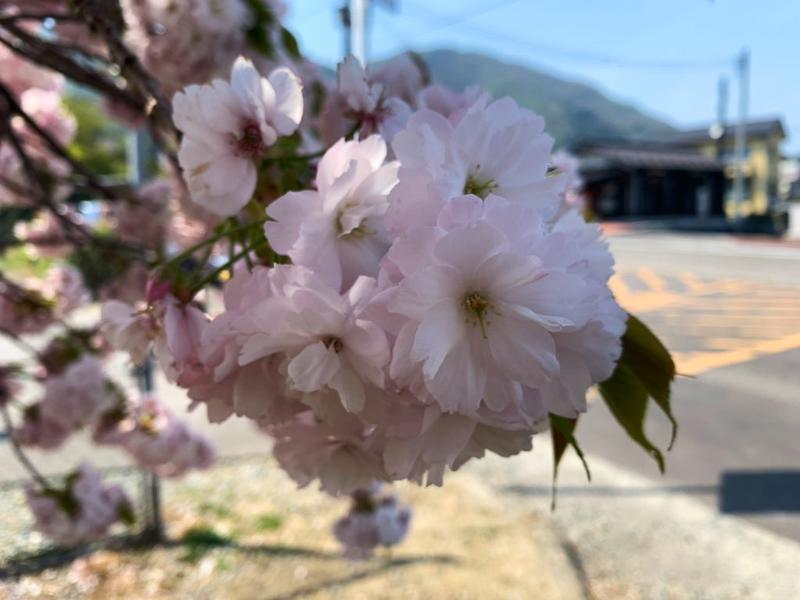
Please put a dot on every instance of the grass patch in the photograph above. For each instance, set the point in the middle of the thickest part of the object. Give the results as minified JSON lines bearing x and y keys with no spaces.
{"x":17,"y":262}
{"x":269,"y":522}
{"x":217,"y":510}
{"x":198,"y":541}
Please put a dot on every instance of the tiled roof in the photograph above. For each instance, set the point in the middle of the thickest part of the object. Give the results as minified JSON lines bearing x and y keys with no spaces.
{"x":761,"y":128}
{"x":606,"y":156}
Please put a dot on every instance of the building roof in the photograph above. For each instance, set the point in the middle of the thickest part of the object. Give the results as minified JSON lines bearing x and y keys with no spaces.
{"x":603,"y":156}
{"x":759,"y":128}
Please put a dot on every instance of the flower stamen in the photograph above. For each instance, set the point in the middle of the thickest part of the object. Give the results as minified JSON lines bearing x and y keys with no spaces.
{"x":477,"y":307}
{"x":479,"y":187}
{"x":251,"y":143}
{"x":332,"y":342}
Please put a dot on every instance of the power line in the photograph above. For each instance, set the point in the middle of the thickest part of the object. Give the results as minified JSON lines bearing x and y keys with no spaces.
{"x":445,"y":22}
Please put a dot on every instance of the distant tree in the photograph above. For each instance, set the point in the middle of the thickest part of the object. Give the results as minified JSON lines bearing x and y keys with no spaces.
{"x":99,"y":141}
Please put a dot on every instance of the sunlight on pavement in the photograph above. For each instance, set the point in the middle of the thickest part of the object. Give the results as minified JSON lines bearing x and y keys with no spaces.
{"x":712,"y":323}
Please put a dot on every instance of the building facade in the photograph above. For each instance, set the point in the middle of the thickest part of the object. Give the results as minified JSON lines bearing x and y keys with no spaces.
{"x":688,"y":174}
{"x":761,"y":168}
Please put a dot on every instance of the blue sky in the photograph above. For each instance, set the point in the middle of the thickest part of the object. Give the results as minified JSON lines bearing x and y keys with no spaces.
{"x":664,"y":56}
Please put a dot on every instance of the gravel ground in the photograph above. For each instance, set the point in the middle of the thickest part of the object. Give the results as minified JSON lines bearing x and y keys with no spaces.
{"x":249,"y":533}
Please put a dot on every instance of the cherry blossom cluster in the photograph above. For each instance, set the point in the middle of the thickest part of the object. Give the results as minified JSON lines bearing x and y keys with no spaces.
{"x":156,"y":440}
{"x":440,"y":301}
{"x":208,"y":35}
{"x":79,"y":396}
{"x":82,"y":511}
{"x":374,"y":520}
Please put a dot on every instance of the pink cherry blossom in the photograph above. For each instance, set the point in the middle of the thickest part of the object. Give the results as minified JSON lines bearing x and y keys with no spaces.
{"x":170,"y":328}
{"x":358,"y":533}
{"x":257,"y":390}
{"x":402,"y":77}
{"x":208,"y":35}
{"x":79,"y":396}
{"x":23,"y":311}
{"x":47,"y":110}
{"x":327,"y":343}
{"x":178,"y":347}
{"x":158,"y":441}
{"x":499,"y":149}
{"x":143,"y":221}
{"x":339,"y":457}
{"x":64,"y":284}
{"x":451,"y":105}
{"x":569,"y":165}
{"x":481,"y":317}
{"x":81,"y":512}
{"x":227,"y":126}
{"x":393,"y":520}
{"x":129,"y":329}
{"x":37,"y":430}
{"x":337,"y":230}
{"x":373,"y":520}
{"x":362,"y":99}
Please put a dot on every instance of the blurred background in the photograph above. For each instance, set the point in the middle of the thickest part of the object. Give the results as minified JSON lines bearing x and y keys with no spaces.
{"x":685,"y":117}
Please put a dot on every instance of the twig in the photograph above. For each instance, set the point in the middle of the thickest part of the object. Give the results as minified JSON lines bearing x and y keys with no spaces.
{"x":76,"y":232}
{"x":49,"y":55}
{"x":57,"y":149}
{"x":111,"y":29}
{"x":20,"y":453}
{"x":19,"y":341}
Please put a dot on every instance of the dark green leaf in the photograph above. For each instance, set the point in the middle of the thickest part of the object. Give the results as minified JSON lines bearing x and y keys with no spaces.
{"x":290,"y":43}
{"x":9,"y":217}
{"x":652,"y":364}
{"x":126,"y":513}
{"x":627,"y":397}
{"x":99,"y":264}
{"x":562,"y":432}
{"x":258,"y":32}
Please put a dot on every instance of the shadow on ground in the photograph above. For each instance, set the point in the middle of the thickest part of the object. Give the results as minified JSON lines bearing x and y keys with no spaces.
{"x":739,"y":492}
{"x":57,"y":556}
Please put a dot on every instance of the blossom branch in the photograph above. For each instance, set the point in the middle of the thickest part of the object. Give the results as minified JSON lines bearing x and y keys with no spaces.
{"x":14,"y":108}
{"x":106,"y":18}
{"x":51,"y":55}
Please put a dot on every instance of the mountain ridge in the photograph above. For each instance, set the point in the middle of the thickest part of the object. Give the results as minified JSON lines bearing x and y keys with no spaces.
{"x":572,"y":111}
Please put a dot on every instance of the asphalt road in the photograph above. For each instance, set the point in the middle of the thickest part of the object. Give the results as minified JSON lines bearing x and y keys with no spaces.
{"x":728,"y":309}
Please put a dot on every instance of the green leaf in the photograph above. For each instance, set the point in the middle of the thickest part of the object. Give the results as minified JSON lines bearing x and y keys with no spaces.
{"x":126,"y":514}
{"x":258,"y":32}
{"x":627,"y":397}
{"x":645,"y":370}
{"x":290,"y":43}
{"x":562,"y":432}
{"x":99,"y":264}
{"x":651,"y":362}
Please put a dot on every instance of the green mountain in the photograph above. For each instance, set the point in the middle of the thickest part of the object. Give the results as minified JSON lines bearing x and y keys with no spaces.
{"x":572,"y":111}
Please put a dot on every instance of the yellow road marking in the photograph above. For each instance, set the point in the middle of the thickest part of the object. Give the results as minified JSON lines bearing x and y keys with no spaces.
{"x":651,"y":280}
{"x":692,"y":282}
{"x":728,"y":319}
{"x":694,"y":363}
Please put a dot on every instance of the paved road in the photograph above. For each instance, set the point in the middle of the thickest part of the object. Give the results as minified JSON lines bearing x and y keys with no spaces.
{"x":729,"y":310}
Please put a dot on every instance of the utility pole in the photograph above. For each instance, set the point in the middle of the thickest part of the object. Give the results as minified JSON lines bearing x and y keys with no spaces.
{"x":720,"y":126}
{"x":358,"y":30}
{"x":143,"y":165}
{"x":344,"y":17}
{"x":740,"y":146}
